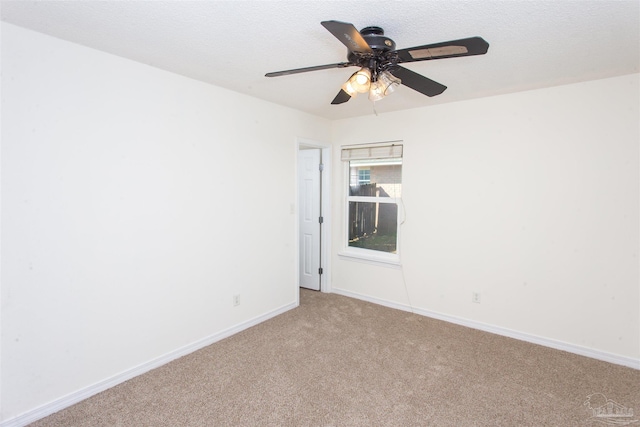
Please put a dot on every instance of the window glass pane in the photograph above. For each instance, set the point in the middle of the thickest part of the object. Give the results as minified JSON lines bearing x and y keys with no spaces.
{"x":375,"y":178}
{"x":364,"y":176}
{"x":373,"y":226}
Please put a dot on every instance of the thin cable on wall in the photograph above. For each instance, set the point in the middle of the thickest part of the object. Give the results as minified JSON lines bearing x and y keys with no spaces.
{"x":404,"y":219}
{"x":404,"y":279}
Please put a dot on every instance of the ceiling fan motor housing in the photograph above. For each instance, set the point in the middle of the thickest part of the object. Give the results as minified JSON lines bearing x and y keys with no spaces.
{"x":375,"y":38}
{"x":380,"y":45}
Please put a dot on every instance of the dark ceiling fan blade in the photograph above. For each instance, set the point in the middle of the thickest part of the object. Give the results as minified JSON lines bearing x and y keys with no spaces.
{"x":304,"y":70}
{"x":418,"y":82}
{"x":341,"y":97}
{"x":348,"y":35}
{"x":450,"y":49}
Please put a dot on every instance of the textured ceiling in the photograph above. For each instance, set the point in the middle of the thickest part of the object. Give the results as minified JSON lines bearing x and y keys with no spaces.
{"x":232,"y":44}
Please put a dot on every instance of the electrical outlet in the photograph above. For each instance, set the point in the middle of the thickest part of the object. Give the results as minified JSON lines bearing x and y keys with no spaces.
{"x":236,"y":300}
{"x":475,"y":297}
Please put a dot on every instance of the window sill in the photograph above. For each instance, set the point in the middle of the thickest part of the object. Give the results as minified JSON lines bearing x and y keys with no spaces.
{"x":391,"y":262}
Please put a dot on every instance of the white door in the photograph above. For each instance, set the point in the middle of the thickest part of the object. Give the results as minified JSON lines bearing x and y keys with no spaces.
{"x":309,"y":217}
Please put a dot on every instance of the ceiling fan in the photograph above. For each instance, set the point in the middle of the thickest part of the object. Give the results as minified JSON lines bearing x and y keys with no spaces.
{"x":380,"y":72}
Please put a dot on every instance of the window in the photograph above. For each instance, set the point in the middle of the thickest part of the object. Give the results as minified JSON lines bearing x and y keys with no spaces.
{"x":373,"y":200}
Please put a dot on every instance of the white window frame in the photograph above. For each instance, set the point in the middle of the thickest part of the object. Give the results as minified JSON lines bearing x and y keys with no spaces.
{"x":368,"y":255}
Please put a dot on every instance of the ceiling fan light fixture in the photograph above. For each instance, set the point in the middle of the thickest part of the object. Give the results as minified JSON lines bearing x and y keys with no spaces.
{"x":376,"y":92}
{"x":389,"y":81}
{"x":348,"y":87}
{"x":384,"y":85}
{"x":361,"y":80}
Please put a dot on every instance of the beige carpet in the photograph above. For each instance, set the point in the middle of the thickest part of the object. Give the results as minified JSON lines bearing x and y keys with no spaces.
{"x":336,"y":361}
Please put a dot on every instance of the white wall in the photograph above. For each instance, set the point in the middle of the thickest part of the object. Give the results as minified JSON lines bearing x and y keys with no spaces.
{"x":135,"y":204}
{"x":530,"y":199}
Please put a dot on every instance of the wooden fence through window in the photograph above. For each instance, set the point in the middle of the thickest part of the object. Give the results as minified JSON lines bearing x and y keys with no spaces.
{"x":362,"y":215}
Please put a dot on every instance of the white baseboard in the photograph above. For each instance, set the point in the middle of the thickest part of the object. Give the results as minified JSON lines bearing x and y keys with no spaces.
{"x":522,"y":336}
{"x":82,"y":394}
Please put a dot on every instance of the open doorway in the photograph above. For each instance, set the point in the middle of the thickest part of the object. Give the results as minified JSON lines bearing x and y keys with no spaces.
{"x":313,"y":221}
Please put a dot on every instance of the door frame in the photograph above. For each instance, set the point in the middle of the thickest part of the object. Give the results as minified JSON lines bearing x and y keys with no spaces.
{"x":325,"y":212}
